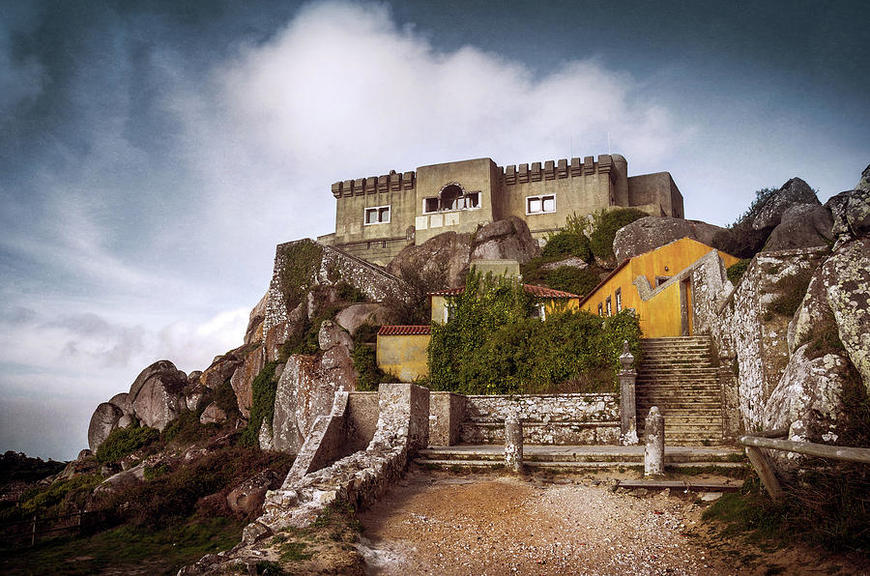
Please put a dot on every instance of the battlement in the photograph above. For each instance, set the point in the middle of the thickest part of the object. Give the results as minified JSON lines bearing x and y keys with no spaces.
{"x":393,"y":181}
{"x":558,"y":169}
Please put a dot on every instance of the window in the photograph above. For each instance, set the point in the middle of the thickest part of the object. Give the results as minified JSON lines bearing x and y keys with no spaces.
{"x":539,"y":312}
{"x":451,"y":198}
{"x":600,"y":309}
{"x":540,"y":204}
{"x":618,"y":300}
{"x":377,"y":215}
{"x":430,"y":205}
{"x":661,"y":280}
{"x":609,"y":307}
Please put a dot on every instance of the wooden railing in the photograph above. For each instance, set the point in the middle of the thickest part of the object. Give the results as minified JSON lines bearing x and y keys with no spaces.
{"x":759,"y":461}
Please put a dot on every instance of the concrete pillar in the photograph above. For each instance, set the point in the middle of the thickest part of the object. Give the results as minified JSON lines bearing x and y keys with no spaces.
{"x":627,"y":404}
{"x":654,"y":455}
{"x":513,"y":444}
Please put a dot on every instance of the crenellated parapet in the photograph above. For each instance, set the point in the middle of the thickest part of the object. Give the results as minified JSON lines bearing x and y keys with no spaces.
{"x":558,"y":169}
{"x":394,"y":181}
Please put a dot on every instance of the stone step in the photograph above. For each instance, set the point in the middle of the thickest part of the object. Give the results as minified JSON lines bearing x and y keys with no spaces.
{"x":568,"y":466}
{"x":581,"y":454}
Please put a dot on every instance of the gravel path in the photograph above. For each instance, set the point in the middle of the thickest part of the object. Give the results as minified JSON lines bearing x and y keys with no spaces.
{"x":437,"y":523}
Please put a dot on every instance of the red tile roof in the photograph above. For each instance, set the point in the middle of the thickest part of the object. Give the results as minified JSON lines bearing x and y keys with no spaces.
{"x":413,"y":330}
{"x":536,"y":291}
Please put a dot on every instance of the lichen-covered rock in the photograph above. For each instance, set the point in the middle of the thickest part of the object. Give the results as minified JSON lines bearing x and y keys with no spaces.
{"x":104,"y":420}
{"x":213,"y":414}
{"x":846,"y":276}
{"x":222,"y":368}
{"x":851,"y":213}
{"x":194,"y":395}
{"x":307,"y":387}
{"x":446,"y":256}
{"x":248,"y":497}
{"x":508,"y":239}
{"x":242,"y":379}
{"x":123,"y":402}
{"x":156,"y":394}
{"x":254,"y":331}
{"x":795,"y":191}
{"x":801,"y":226}
{"x":808,"y":400}
{"x":355,"y":315}
{"x":864,"y":180}
{"x":652,"y":232}
{"x":569,"y":262}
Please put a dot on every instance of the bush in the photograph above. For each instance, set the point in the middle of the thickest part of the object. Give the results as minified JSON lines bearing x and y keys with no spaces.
{"x":301,"y":261}
{"x":262,"y":404}
{"x":605,"y":224}
{"x":567,"y":243}
{"x":491,"y":346}
{"x":572,"y":279}
{"x":225,"y":398}
{"x":349,"y":293}
{"x":791,"y":291}
{"x":735,"y":271}
{"x":124,"y":441}
{"x":366,"y":365}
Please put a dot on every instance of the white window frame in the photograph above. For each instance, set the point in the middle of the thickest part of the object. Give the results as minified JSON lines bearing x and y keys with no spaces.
{"x":431,"y":211}
{"x":377,"y":210}
{"x":608,"y":306}
{"x":463,"y":198}
{"x":541,"y":198}
{"x":618,"y":298}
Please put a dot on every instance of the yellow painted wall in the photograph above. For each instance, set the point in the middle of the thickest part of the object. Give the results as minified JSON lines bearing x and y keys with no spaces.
{"x":661,"y":315}
{"x":561,"y":305}
{"x":405,"y":357}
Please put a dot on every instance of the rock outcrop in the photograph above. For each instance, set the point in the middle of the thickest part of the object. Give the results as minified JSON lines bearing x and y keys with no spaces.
{"x":242,"y":379}
{"x":307,"y":387}
{"x":651,"y":232}
{"x":851,"y":214}
{"x":447,"y":256}
{"x":103,"y":421}
{"x":156,"y":394}
{"x":801,"y":226}
{"x":355,"y":315}
{"x":793,"y":192}
{"x":248,"y":497}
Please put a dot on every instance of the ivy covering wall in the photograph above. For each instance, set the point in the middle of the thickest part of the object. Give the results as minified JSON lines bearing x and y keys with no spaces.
{"x":491,"y":345}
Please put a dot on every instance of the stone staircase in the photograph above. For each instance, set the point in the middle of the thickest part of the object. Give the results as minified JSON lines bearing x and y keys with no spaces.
{"x":678,"y":376}
{"x":576,"y":458}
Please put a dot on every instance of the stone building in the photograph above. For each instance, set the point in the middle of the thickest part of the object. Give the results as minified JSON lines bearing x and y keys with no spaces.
{"x":378,"y":216}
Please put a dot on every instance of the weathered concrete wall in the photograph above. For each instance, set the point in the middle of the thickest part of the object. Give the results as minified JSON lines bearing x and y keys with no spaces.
{"x":547,"y":418}
{"x":326,"y":442}
{"x":446,"y":413}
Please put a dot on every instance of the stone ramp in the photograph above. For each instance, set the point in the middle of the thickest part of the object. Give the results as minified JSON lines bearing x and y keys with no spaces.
{"x":483,"y":456}
{"x":679,"y":376}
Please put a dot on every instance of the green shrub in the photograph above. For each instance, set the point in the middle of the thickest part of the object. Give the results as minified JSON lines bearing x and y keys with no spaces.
{"x":604,"y":227}
{"x":124,"y":441}
{"x":225,"y":398}
{"x":61,"y":496}
{"x":567,"y":243}
{"x":262,"y":404}
{"x":572,"y":279}
{"x":492,"y":346}
{"x":735,"y":271}
{"x":187,"y":429}
{"x":349,"y":293}
{"x":301,"y":260}
{"x":366,"y":365}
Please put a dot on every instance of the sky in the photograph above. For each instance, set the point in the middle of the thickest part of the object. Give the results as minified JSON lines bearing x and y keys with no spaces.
{"x":153,"y":153}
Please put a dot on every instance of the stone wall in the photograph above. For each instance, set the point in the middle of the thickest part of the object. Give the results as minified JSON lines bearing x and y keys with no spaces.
{"x":446,"y":413}
{"x":362,"y":419}
{"x":546,"y":418}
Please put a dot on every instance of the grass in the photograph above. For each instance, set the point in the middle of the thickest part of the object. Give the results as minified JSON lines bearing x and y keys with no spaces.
{"x":164,"y":551}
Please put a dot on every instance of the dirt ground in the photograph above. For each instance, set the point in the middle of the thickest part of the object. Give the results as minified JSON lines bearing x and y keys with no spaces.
{"x":487,"y":524}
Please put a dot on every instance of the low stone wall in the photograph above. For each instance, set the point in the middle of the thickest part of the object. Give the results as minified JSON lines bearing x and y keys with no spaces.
{"x":446,"y":413}
{"x":362,"y":419}
{"x":357,"y":479}
{"x":546,"y":418}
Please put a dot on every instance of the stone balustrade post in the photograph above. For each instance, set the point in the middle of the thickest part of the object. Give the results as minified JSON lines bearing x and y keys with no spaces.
{"x":627,"y":403}
{"x":654,"y":455}
{"x":513,"y":444}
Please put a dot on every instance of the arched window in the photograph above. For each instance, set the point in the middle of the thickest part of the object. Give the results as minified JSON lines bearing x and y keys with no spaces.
{"x":451,"y":197}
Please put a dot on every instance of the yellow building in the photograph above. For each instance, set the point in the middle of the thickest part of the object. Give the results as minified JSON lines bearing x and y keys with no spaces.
{"x":403,"y":351}
{"x":657,"y":285}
